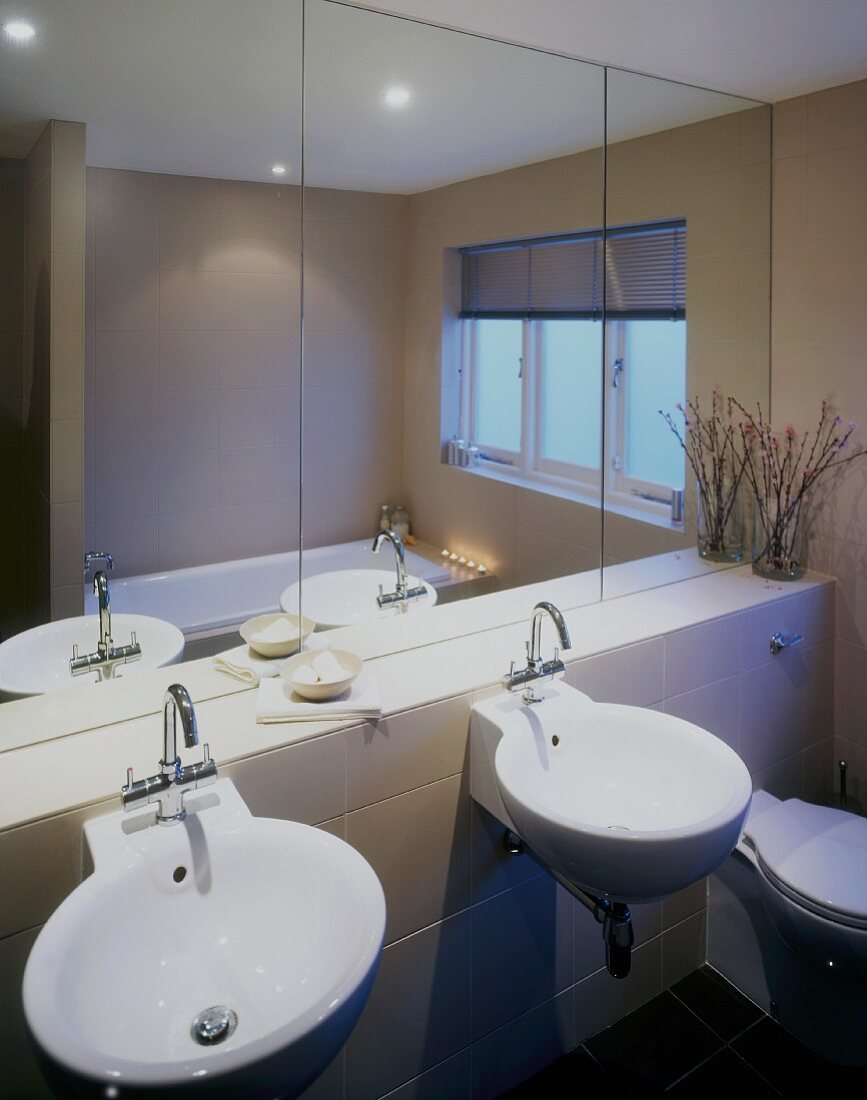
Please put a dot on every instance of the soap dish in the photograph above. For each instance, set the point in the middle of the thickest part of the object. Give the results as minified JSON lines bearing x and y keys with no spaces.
{"x":301,"y":627}
{"x":322,"y":691}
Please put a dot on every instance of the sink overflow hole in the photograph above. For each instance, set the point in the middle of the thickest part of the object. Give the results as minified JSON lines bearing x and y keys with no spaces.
{"x":555,"y":740}
{"x":213,"y":1025}
{"x":179,"y":874}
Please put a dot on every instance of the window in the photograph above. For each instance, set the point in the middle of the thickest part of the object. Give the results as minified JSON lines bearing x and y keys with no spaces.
{"x":533,"y":357}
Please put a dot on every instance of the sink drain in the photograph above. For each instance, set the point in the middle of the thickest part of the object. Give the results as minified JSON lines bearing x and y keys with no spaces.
{"x":214,"y":1025}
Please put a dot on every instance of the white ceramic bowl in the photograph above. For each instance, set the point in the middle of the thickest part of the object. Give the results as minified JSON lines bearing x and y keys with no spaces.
{"x":320,"y":692}
{"x":301,"y":628}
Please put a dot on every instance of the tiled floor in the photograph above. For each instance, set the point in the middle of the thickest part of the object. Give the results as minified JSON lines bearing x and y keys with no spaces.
{"x":701,"y":1038}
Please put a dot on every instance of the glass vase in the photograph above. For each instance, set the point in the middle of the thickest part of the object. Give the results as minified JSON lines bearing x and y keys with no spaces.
{"x":778,"y":541}
{"x":719,"y":523}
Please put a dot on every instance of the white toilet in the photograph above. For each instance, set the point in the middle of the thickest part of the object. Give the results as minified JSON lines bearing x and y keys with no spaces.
{"x":788,"y":922}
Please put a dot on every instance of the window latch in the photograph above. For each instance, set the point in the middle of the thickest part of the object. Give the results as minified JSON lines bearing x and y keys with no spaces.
{"x":617,"y":462}
{"x":520,"y":366}
{"x":618,"y":370}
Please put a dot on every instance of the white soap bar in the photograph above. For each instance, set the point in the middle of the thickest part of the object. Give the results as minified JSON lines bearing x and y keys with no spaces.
{"x":304,"y":674}
{"x":281,"y":630}
{"x":328,"y":668}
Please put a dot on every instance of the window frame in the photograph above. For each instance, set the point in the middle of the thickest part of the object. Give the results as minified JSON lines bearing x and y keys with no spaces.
{"x":528,"y":464}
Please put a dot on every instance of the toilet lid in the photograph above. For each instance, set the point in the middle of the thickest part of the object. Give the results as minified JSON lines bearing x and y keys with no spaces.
{"x":818,"y":853}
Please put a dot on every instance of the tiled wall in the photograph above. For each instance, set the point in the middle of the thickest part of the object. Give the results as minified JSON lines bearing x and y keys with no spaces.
{"x":820,"y":350}
{"x":13,"y":184}
{"x":53,"y":372}
{"x":489,"y":969}
{"x":716,"y":174}
{"x":194,"y":382}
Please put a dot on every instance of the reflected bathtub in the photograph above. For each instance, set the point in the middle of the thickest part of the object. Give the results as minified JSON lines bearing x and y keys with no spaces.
{"x":214,"y":599}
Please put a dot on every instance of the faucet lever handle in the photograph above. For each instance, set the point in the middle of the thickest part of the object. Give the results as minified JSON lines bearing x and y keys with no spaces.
{"x":556,"y":654}
{"x":129,"y":779}
{"x":206,"y":749}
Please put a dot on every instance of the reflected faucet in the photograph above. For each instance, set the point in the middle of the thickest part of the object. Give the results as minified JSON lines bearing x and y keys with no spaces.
{"x":536,"y":668}
{"x":107,"y":656}
{"x":401,"y":593}
{"x":168,"y":787}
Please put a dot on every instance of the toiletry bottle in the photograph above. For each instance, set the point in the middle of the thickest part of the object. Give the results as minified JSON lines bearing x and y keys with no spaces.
{"x":384,"y":521}
{"x":400,"y":521}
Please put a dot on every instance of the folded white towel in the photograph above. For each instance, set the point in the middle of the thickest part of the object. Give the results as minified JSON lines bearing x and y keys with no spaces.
{"x":277,"y":702}
{"x":249,"y":667}
{"x":246,"y":665}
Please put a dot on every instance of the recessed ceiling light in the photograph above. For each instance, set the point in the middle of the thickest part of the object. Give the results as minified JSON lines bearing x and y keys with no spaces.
{"x":18,"y":31}
{"x":279,"y":169}
{"x":397,"y":96}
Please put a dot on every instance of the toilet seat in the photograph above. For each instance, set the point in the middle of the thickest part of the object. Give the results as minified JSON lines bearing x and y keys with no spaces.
{"x":816,"y":856}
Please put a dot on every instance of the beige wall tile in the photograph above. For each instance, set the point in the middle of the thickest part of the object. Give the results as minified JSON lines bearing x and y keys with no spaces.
{"x":508,"y":1056}
{"x":125,"y":362}
{"x":251,"y":301}
{"x":119,"y":187}
{"x":533,"y":926}
{"x":190,"y":238}
{"x":188,"y":538}
{"x":684,"y":949}
{"x":67,"y":448}
{"x":67,"y":543}
{"x":302,"y":782}
{"x":837,"y":116}
{"x":188,"y":360}
{"x":407,"y":751}
{"x":189,"y":299}
{"x":790,"y":127}
{"x":66,"y":376}
{"x":422,"y":994}
{"x":126,"y":236}
{"x":125,"y":301}
{"x":428,"y":827}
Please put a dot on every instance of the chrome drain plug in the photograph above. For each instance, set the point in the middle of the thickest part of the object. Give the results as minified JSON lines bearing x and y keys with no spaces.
{"x":213,"y":1025}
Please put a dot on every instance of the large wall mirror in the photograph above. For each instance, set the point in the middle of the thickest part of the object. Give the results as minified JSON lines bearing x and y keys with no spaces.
{"x":257,"y":312}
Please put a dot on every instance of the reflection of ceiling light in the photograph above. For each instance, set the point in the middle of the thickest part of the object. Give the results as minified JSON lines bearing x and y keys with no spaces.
{"x":397,"y":96}
{"x":19,"y":32}
{"x":279,"y":169}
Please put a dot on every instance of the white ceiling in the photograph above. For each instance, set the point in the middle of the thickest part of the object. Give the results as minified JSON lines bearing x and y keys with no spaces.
{"x":762,"y":49}
{"x":212,"y":87}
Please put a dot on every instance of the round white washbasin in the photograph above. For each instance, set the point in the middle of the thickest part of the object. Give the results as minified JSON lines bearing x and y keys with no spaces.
{"x":37,"y":661}
{"x":348,"y":596}
{"x":278,"y":922}
{"x":623,"y":801}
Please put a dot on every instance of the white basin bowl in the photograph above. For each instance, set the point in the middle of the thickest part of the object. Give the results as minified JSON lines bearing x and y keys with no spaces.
{"x":37,"y":661}
{"x":348,"y":596}
{"x":623,"y":802}
{"x":279,"y":922}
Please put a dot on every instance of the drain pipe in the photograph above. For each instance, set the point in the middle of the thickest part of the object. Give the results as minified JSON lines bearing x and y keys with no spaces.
{"x":614,"y":916}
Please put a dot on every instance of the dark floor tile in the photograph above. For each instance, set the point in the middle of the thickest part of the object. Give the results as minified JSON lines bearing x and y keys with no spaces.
{"x":717,"y":1003}
{"x":566,"y":1077}
{"x":654,"y":1046}
{"x":724,"y":1075}
{"x":788,"y":1064}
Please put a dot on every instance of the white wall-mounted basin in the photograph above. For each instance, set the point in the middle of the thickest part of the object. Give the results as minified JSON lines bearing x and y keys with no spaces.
{"x":623,"y":802}
{"x":37,"y":661}
{"x":348,"y":596}
{"x":280,"y":923}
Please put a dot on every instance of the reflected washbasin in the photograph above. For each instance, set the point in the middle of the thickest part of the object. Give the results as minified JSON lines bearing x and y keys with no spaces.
{"x":276,"y":921}
{"x":348,"y":596}
{"x":624,"y":802}
{"x":37,"y":661}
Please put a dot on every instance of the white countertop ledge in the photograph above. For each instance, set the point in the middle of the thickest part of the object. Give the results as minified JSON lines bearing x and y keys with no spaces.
{"x":87,"y":764}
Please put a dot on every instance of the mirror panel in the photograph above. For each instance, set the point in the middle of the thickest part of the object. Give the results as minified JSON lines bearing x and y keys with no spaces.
{"x":691,"y":169}
{"x":437,"y":375}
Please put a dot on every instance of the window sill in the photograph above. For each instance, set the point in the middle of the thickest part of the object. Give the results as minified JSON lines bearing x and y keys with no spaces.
{"x":642,"y":511}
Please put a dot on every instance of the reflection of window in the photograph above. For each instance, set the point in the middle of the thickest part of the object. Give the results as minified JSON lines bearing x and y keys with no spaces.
{"x":533,"y":356}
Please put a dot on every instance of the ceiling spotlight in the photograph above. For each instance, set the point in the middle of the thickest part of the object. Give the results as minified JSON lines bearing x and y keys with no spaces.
{"x":397,"y":96}
{"x":278,"y":169}
{"x":19,"y":32}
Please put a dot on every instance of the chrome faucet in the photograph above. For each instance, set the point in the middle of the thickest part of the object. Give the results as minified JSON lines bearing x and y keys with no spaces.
{"x":107,"y":655}
{"x":536,"y":668}
{"x":401,"y":592}
{"x":171,"y":783}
